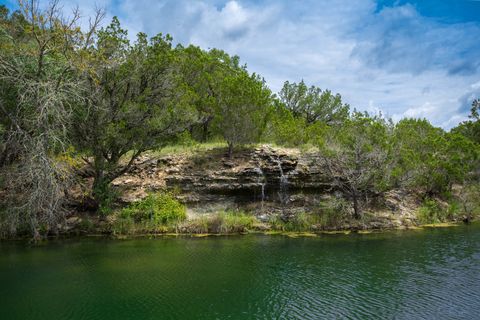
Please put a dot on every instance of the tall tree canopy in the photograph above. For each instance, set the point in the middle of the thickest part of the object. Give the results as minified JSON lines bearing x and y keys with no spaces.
{"x":135,"y":100}
{"x":90,"y":101}
{"x":244,"y":104}
{"x":38,"y":92}
{"x":313,"y":104}
{"x":355,"y":156}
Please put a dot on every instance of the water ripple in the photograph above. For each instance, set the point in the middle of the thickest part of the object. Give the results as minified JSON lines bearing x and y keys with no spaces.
{"x":426,"y":275}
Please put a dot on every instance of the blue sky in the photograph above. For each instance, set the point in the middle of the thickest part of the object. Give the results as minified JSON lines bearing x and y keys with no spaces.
{"x":403,"y":58}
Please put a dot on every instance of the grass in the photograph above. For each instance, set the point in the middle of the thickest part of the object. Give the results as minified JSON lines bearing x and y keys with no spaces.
{"x":189,"y":149}
{"x":226,"y":222}
{"x":159,"y":208}
{"x":434,"y":212}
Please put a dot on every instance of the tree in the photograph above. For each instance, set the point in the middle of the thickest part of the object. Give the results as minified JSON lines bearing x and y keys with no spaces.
{"x":203,"y":73}
{"x":285,"y":129}
{"x":244,"y":104}
{"x":427,"y":158}
{"x":313,"y":104}
{"x":38,"y":89}
{"x":355,"y":156}
{"x":462,"y":164}
{"x":471,"y":127}
{"x":134,"y":101}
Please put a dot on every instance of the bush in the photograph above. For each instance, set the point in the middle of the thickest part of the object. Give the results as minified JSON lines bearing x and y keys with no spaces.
{"x":86,"y":225}
{"x":197,"y":225}
{"x":300,"y":222}
{"x":221,"y":222}
{"x":431,"y":212}
{"x":159,"y":208}
{"x":333,"y":211}
{"x":276,"y":223}
{"x":469,"y":201}
{"x":233,"y":222}
{"x":124,"y":226}
{"x":107,"y":197}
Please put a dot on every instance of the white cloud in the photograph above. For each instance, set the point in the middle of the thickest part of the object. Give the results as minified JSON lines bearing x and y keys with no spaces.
{"x":392,"y":60}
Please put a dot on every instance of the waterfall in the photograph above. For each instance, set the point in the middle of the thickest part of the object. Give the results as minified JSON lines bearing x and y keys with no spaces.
{"x":282,"y":193}
{"x":262,"y":181}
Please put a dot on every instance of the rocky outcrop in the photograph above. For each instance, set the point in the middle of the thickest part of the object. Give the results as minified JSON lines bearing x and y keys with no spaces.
{"x":254,"y":175}
{"x":264,"y":180}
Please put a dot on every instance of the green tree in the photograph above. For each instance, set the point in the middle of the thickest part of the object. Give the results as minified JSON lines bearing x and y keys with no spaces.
{"x":38,"y":90}
{"x":471,"y":127}
{"x":244,"y":105}
{"x":355,"y":157}
{"x":285,"y":129}
{"x":134,"y":101}
{"x":313,"y":104}
{"x":427,"y":158}
{"x":203,"y":72}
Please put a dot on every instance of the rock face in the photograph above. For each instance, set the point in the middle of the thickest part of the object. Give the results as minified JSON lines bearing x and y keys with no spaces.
{"x":264,"y":180}
{"x":262,"y":174}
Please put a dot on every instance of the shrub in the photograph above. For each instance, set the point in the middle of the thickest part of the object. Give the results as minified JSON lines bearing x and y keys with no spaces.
{"x":431,"y":212}
{"x":221,"y":222}
{"x":332,"y":211}
{"x":276,"y":223}
{"x":300,"y":222}
{"x":197,"y":225}
{"x":107,"y":197}
{"x":124,"y":226}
{"x":453,"y":210}
{"x":469,"y":201}
{"x":233,"y":222}
{"x":86,"y":225}
{"x":304,"y":221}
{"x":160,"y":208}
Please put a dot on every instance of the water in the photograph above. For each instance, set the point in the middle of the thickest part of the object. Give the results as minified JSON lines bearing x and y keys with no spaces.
{"x":432,"y":274}
{"x":283,"y":183}
{"x":262,"y":181}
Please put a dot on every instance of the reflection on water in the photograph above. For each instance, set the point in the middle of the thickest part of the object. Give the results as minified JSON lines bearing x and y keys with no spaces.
{"x":418,"y":274}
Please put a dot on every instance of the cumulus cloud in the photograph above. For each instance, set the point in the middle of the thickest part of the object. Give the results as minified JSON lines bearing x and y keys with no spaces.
{"x":392,"y":59}
{"x":389,"y":59}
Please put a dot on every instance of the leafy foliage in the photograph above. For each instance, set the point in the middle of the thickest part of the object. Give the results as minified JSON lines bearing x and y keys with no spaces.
{"x":355,"y":156}
{"x":88,"y":101}
{"x":133,"y":102}
{"x":313,"y":104}
{"x":244,"y":103}
{"x":432,"y":212}
{"x":160,"y":208}
{"x":428,"y":158}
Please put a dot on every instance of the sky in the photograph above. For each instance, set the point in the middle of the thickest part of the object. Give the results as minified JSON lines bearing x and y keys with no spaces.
{"x":418,"y":58}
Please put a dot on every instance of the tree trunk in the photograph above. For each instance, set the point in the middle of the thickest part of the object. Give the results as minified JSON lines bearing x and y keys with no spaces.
{"x":205,"y":127}
{"x":230,"y":150}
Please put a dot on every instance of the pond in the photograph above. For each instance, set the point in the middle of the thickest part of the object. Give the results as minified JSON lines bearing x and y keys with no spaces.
{"x":431,"y":273}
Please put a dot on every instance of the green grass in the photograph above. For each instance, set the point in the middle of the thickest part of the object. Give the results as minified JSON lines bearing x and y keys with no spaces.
{"x":299,"y":223}
{"x":123,"y":226}
{"x":221,"y":223}
{"x":227,"y":222}
{"x":432,"y":212}
{"x":189,"y":149}
{"x":158,"y":208}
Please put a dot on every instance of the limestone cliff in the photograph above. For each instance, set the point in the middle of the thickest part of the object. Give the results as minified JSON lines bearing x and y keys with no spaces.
{"x":264,"y":180}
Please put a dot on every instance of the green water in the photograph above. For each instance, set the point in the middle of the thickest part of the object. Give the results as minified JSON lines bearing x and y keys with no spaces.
{"x":433,"y":274}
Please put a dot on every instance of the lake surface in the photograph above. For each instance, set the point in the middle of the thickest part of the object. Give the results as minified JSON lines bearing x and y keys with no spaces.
{"x":431,"y":274}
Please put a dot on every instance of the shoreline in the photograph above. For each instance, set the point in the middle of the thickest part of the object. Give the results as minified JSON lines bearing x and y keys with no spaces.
{"x":290,"y":234}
